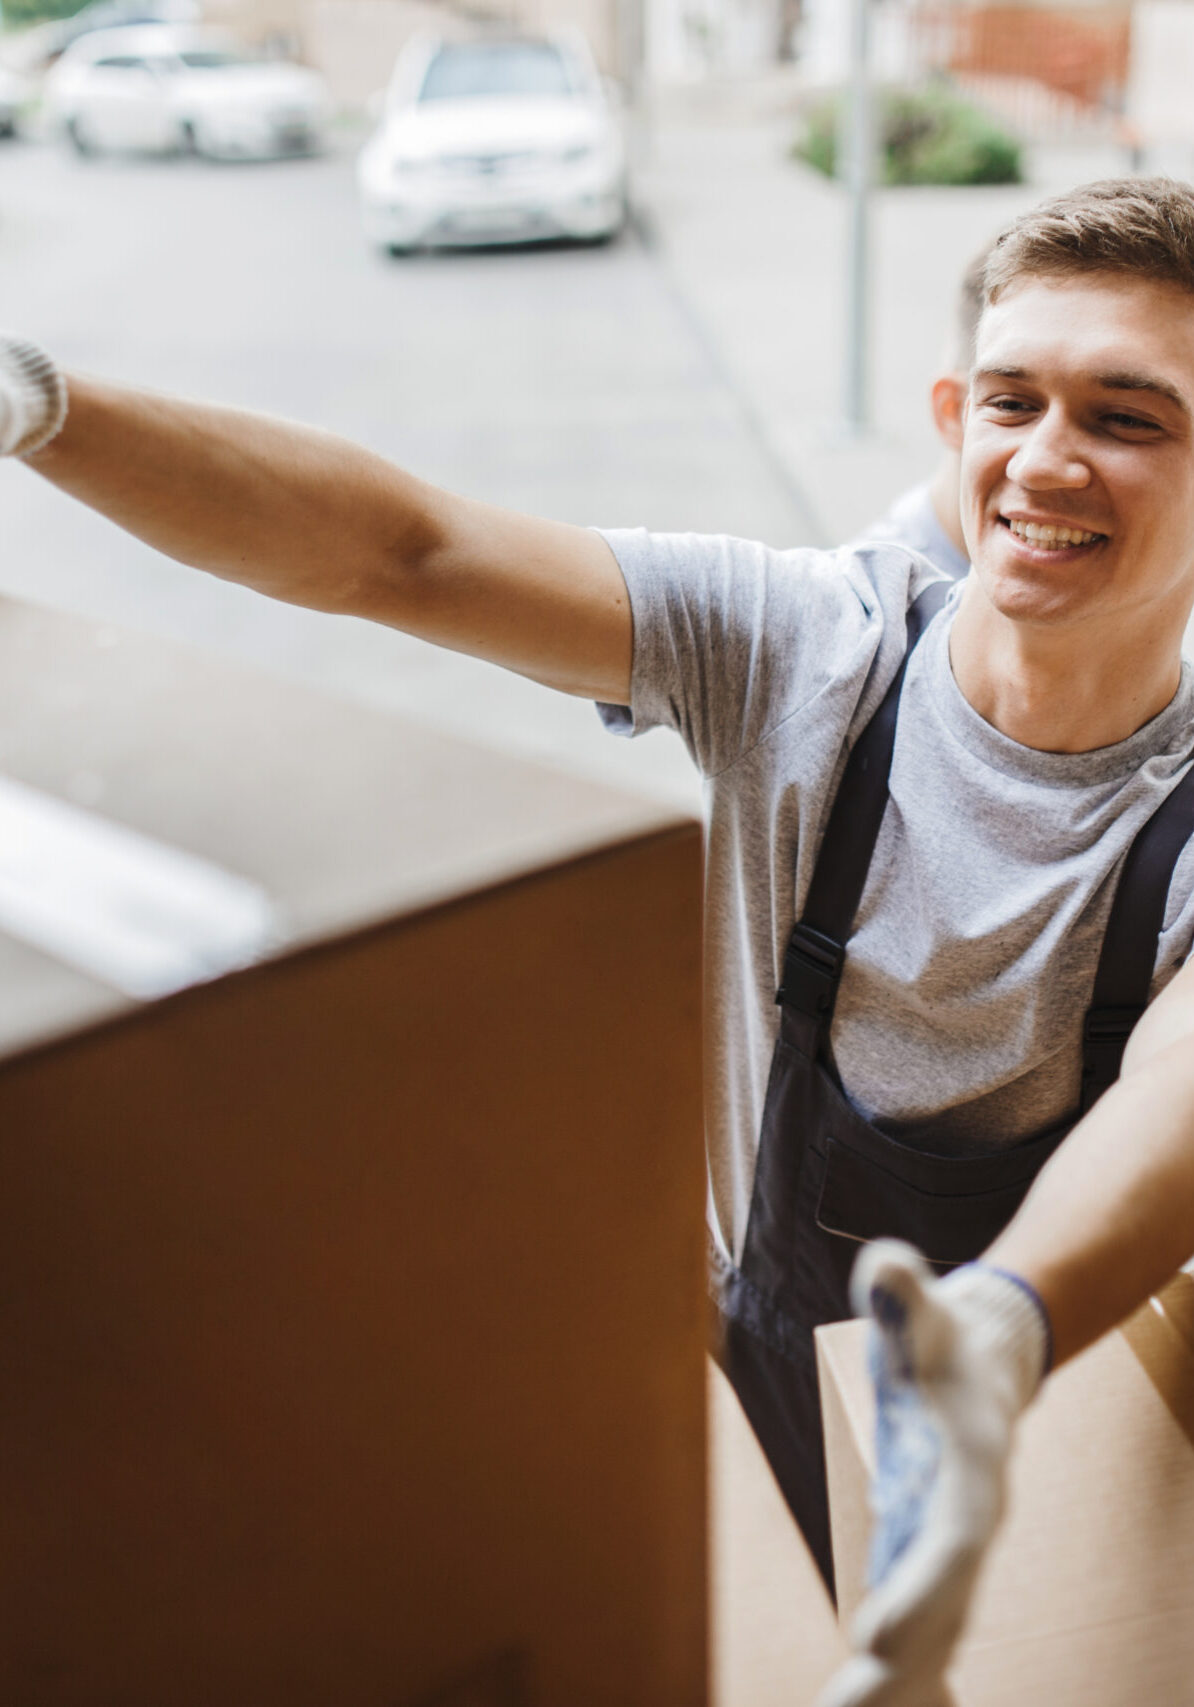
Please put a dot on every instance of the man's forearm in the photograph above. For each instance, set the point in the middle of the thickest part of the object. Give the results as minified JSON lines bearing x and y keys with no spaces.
{"x":1112,"y":1215}
{"x":955,"y":1360}
{"x":295,"y":513}
{"x":315,"y":520}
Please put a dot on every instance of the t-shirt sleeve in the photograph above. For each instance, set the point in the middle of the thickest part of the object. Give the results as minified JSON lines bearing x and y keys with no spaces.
{"x":732,"y":637}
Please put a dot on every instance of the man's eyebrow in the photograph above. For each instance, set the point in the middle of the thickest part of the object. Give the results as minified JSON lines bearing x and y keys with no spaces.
{"x":1121,"y":379}
{"x":999,"y":373}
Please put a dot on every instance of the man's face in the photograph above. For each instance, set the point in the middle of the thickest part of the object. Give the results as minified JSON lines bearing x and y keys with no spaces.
{"x":1081,"y":418}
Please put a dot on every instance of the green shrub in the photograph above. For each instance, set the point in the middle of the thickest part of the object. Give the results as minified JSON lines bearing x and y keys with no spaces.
{"x":19,"y":12}
{"x":925,"y":137}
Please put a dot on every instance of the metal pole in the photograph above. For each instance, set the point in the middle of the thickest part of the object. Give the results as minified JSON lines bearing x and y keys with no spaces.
{"x":860,"y":138}
{"x":632,"y":56}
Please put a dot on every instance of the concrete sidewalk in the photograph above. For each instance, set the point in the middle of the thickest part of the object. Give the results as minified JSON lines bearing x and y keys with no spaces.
{"x":754,"y":246}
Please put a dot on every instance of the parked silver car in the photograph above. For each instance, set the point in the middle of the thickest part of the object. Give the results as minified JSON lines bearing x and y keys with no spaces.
{"x":156,"y":87}
{"x":494,"y":141}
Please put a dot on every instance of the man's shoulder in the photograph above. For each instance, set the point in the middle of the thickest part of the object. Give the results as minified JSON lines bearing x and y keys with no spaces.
{"x":875,"y":576}
{"x":734,"y":637}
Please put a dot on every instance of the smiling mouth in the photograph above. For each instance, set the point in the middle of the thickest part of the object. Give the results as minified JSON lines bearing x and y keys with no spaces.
{"x":1046,"y":537}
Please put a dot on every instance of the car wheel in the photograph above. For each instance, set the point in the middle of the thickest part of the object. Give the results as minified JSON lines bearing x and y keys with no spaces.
{"x":188,"y":142}
{"x":400,"y":251}
{"x":78,"y":138}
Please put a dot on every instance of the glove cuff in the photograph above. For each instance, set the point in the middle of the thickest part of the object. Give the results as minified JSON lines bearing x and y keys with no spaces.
{"x":1005,"y":1318}
{"x":34,"y":390}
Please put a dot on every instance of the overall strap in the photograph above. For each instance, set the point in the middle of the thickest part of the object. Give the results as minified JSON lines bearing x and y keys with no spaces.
{"x":1129,"y":951}
{"x":817,"y":947}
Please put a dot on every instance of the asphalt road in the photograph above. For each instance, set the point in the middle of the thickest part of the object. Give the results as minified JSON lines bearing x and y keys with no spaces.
{"x":566,"y":381}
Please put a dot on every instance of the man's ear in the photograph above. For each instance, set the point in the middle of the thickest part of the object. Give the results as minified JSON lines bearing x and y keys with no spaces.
{"x":949,"y":403}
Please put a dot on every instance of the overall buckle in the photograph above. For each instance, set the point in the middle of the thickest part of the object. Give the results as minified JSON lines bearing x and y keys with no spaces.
{"x":812,"y":968}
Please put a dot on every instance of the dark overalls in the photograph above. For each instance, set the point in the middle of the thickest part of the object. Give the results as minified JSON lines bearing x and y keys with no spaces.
{"x":826,"y":1179}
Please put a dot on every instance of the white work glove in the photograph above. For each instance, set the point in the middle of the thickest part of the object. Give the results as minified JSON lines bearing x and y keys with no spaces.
{"x":954,"y":1362}
{"x":32,"y":397}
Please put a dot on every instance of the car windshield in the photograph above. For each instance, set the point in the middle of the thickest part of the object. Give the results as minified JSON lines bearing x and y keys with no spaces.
{"x":496,"y":68}
{"x":212,"y":59}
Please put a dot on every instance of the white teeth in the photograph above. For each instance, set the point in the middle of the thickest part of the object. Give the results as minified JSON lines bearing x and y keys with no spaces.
{"x":1052,"y":538}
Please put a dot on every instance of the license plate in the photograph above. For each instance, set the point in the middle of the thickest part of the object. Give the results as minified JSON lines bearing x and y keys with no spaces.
{"x":490,"y":219}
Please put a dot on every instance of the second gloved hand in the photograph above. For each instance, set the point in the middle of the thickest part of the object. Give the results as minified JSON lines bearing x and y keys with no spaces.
{"x":954,"y":1362}
{"x":32,"y":396}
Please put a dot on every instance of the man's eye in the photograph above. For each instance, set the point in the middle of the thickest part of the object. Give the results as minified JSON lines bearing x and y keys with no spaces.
{"x":1007,"y":405}
{"x":1132,"y":422}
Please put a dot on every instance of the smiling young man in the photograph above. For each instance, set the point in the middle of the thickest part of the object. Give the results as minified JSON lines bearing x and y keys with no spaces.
{"x":952,"y":832}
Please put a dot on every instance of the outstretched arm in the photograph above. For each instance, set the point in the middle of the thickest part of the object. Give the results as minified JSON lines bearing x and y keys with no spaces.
{"x":315,"y":520}
{"x":1108,"y":1222}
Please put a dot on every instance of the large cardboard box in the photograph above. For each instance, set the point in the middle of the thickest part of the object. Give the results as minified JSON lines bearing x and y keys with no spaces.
{"x":352,"y":1301}
{"x":1086,"y":1594}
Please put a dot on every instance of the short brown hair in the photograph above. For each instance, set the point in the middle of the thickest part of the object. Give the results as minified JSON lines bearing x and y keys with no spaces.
{"x":1142,"y":226}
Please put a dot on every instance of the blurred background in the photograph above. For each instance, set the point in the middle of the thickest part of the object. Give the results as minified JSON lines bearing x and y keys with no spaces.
{"x":622,"y":262}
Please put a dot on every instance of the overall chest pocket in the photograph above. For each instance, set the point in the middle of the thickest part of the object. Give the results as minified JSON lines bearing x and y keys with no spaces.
{"x":950,"y":1207}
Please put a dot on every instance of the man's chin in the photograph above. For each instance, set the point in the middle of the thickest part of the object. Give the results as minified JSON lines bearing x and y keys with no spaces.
{"x":1032,"y":594}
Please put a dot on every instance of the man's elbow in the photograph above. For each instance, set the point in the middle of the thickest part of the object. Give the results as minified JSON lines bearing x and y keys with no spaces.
{"x":401,"y":578}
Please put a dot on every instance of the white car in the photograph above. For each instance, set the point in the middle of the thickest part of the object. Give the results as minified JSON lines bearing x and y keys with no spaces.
{"x":160,"y":87}
{"x":494,"y":141}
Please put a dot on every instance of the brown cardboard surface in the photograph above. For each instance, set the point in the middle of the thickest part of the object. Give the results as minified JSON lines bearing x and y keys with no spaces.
{"x":775,"y":1637}
{"x":353,"y":1305}
{"x":1162,"y":1338}
{"x":848,"y":1422}
{"x":1085,"y":1594}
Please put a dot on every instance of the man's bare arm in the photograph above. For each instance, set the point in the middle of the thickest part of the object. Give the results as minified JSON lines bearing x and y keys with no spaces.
{"x":1112,"y":1215}
{"x":315,"y":520}
{"x":956,"y":1360}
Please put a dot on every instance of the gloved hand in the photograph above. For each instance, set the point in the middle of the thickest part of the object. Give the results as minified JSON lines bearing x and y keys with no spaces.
{"x":954,"y":1362}
{"x":32,"y":397}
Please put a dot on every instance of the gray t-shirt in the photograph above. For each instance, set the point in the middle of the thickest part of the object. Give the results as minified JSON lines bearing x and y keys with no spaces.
{"x":975,"y":944}
{"x":912,"y":521}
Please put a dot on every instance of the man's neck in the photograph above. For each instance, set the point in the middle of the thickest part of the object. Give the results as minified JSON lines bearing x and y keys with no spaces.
{"x":1057,"y":690}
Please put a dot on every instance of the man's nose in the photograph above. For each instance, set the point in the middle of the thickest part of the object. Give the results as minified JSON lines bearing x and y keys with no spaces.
{"x":1049,"y":456}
